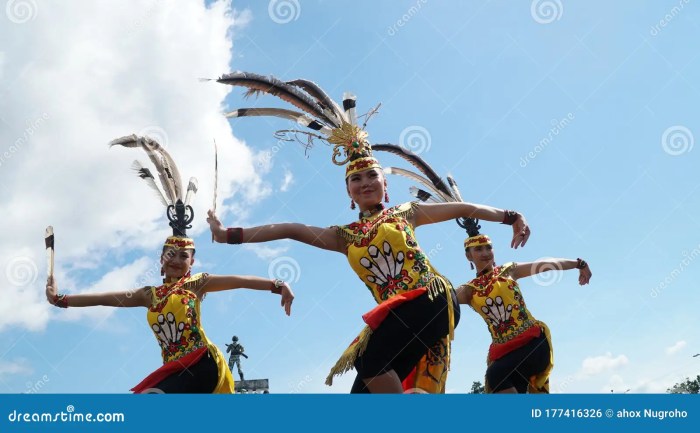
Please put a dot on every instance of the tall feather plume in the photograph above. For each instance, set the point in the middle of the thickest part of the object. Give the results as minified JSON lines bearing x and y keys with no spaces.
{"x":349,"y":103}
{"x":296,"y":116}
{"x":418,"y":178}
{"x":50,"y":253}
{"x":455,"y":189}
{"x":257,"y":84}
{"x":216,"y":176}
{"x":420,"y":164}
{"x":168,"y":173}
{"x":321,"y":97}
{"x":192,"y":187}
{"x":156,"y":159}
{"x":276,"y":112}
{"x":424,"y":195}
{"x":145,"y":174}
{"x":216,"y":181}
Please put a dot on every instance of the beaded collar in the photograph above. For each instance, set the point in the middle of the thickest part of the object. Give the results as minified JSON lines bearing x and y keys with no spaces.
{"x":371,"y":211}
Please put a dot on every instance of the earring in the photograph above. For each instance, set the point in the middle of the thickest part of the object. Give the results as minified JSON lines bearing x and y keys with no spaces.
{"x":471,"y":264}
{"x":352,"y":204}
{"x":162,"y":272}
{"x":386,"y":197}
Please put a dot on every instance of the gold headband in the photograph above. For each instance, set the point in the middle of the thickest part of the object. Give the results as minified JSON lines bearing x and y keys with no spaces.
{"x":361,"y":164}
{"x":476,"y":241}
{"x":179,"y":243}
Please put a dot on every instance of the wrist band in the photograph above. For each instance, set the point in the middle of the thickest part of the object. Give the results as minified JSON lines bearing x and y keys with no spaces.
{"x":509,"y":217}
{"x":580,"y":264}
{"x":277,"y":286}
{"x":234,"y":235}
{"x":60,"y":301}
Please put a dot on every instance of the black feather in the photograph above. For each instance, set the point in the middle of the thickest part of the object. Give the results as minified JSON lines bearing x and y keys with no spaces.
{"x":417,"y":162}
{"x":320,"y":96}
{"x":257,"y":84}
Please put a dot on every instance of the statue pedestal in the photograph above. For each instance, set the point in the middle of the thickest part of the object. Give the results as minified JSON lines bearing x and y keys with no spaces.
{"x":255,"y":386}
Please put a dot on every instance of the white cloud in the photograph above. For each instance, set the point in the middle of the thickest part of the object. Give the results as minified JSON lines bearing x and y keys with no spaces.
{"x":78,"y":75}
{"x":241,"y":19}
{"x":265,"y":252}
{"x":18,"y":366}
{"x":139,"y":273}
{"x":675,"y":348}
{"x":287,"y":181}
{"x":616,"y":384}
{"x":599,"y":364}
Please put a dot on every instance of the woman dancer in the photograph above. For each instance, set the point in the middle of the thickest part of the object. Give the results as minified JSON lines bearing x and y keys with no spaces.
{"x":520,"y":356}
{"x":191,"y":362}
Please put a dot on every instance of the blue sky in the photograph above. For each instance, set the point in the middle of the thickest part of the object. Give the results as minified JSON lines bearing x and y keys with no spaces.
{"x":582,"y":117}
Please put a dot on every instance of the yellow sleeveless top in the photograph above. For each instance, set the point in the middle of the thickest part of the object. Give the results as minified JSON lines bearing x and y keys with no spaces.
{"x":496,"y":297}
{"x":174,"y":317}
{"x":383,"y":252}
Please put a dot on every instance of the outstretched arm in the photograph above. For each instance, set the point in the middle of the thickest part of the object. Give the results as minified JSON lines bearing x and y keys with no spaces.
{"x":217,"y":283}
{"x":429,"y":213}
{"x":136,"y":298}
{"x":325,"y":238}
{"x":527,"y":269}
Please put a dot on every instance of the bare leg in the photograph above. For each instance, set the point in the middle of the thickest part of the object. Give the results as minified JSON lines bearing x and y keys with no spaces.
{"x":387,"y":383}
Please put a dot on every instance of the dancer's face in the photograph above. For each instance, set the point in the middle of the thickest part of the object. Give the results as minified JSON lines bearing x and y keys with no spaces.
{"x":366,"y":187}
{"x":176,"y":262}
{"x":481,"y":255}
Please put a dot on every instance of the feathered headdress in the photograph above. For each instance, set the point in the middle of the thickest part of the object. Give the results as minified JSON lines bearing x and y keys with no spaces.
{"x":319,"y":113}
{"x":442,"y":192}
{"x":474,"y":238}
{"x":178,"y":209}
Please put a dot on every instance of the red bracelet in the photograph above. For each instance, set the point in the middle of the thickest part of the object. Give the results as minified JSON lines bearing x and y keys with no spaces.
{"x":581,"y":264}
{"x":234,"y":235}
{"x":60,"y":301}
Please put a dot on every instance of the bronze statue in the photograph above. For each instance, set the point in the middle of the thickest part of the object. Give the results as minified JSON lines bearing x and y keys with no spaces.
{"x":236,"y":352}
